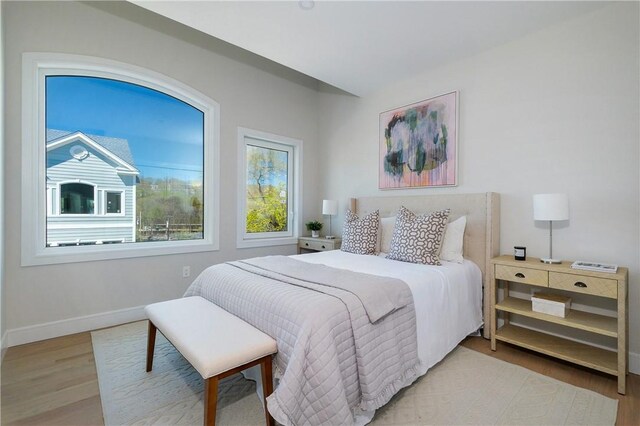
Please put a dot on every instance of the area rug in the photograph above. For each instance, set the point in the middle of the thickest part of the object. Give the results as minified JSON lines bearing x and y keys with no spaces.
{"x":466,"y":388}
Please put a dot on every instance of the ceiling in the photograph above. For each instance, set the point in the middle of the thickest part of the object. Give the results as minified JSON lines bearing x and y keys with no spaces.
{"x":360,"y":46}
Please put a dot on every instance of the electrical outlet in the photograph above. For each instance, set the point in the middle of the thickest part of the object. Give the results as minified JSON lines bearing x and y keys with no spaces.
{"x":186,"y":271}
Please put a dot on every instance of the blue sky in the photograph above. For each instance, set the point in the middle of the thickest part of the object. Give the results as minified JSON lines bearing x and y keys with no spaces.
{"x":165,"y":134}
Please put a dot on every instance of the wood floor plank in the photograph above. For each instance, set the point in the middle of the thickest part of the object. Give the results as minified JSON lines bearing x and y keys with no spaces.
{"x":54,"y":382}
{"x":48,"y":383}
{"x":51,"y":382}
{"x":16,"y":373}
{"x":29,"y":406}
{"x":36,"y":348}
{"x":87,"y":412}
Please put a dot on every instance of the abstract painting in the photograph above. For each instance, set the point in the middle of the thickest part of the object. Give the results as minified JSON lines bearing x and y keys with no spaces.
{"x":418,"y":144}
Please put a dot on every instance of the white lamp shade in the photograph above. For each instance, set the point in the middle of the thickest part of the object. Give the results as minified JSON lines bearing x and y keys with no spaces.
{"x":329,"y":207}
{"x":550,"y":207}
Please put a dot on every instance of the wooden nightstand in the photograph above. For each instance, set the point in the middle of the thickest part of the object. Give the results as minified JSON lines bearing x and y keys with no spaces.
{"x":563,"y":277}
{"x":318,"y":244}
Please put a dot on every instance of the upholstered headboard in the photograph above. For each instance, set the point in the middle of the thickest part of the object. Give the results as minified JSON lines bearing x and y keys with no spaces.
{"x":481,"y":236}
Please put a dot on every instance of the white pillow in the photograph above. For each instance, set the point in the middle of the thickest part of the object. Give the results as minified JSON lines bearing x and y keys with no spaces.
{"x":451,"y":249}
{"x":386,"y":233}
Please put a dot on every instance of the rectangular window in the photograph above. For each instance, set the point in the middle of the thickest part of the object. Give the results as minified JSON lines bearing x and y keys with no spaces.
{"x":113,"y":202}
{"x":124,"y":162}
{"x":77,"y":198}
{"x":269,"y":184}
{"x":267,"y":194}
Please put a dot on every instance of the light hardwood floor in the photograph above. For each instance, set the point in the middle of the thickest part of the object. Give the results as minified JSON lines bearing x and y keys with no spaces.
{"x":54,"y":382}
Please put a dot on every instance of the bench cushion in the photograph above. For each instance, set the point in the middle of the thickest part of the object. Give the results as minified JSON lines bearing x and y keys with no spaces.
{"x":210,"y":338}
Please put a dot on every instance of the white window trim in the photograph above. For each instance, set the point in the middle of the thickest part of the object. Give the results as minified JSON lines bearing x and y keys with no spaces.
{"x":35,"y":67}
{"x":290,"y":150}
{"x":50,"y":188}
{"x":135,"y":219}
{"x":96,"y":205}
{"x":245,"y":240}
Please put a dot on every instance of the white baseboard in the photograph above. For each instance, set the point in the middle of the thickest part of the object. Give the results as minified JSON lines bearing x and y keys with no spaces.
{"x":3,"y":346}
{"x":634,"y":363}
{"x":34,"y":333}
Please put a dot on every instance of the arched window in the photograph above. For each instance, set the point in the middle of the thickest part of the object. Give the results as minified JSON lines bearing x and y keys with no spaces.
{"x":77,"y":198}
{"x":148,"y":144}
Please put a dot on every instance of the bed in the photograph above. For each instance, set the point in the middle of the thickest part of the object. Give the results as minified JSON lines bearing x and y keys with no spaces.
{"x":337,"y":364}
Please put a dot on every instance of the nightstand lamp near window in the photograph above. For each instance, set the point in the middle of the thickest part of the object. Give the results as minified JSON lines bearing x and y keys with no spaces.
{"x":550,"y":207}
{"x":330,"y":208}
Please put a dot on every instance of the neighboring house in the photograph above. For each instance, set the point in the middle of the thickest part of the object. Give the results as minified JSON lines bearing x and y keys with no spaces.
{"x":91,"y":189}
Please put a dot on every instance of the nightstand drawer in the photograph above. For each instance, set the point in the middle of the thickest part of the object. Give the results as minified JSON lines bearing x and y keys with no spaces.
{"x":522,"y":275}
{"x":583,"y":284}
{"x":315,"y":245}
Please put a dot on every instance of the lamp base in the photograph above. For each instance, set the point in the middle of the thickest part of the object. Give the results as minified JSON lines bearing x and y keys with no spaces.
{"x":330,"y":237}
{"x":551,"y":261}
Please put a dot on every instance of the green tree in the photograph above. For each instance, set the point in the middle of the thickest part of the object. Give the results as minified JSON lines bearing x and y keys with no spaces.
{"x":178,"y":201}
{"x":196,"y":212}
{"x":266,"y":190}
{"x":270,"y":213}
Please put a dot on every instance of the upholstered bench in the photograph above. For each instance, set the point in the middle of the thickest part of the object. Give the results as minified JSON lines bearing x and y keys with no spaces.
{"x":215,"y":342}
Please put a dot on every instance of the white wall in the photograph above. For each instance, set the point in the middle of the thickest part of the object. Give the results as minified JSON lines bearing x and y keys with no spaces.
{"x":557,"y":111}
{"x":252,"y":92}
{"x":3,"y":323}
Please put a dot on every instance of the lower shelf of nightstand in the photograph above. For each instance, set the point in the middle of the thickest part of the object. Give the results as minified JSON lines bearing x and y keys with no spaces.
{"x":568,"y":350}
{"x":600,"y":324}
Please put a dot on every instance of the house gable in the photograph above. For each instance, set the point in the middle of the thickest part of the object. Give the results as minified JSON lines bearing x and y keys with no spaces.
{"x":121,"y":166}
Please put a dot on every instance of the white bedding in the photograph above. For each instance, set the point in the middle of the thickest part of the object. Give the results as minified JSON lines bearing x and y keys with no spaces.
{"x":448,"y":298}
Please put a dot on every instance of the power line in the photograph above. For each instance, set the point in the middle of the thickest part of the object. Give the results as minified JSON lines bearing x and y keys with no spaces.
{"x":170,"y":168}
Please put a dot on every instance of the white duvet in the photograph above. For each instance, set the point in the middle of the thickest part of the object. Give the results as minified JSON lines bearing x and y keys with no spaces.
{"x":448,"y":298}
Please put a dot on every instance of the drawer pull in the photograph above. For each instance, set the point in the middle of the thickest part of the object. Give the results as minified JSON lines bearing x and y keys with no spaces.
{"x":323,"y":247}
{"x":580,"y":284}
{"x":306,"y":244}
{"x":520,"y":275}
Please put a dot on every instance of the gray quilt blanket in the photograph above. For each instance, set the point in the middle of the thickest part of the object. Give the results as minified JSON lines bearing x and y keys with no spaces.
{"x":333,"y":359}
{"x":379,"y":295}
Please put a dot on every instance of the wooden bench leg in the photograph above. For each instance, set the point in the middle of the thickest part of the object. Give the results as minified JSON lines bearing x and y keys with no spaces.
{"x":210,"y":400}
{"x":267,"y":385}
{"x":151,"y":344}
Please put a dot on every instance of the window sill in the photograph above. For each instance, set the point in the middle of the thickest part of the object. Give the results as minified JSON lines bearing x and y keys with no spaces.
{"x":74,"y":254}
{"x":267,"y":242}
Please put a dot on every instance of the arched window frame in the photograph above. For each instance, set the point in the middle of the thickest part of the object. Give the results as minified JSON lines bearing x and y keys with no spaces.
{"x":35,"y":68}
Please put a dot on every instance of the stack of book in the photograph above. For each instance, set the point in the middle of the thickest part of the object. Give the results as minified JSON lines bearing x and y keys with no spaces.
{"x":595,"y":266}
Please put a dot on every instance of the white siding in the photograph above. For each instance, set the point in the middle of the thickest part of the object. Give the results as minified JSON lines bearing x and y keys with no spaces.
{"x":98,"y":170}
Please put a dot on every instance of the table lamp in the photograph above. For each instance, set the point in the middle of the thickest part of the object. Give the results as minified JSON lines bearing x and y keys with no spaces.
{"x":330,"y":208}
{"x":550,"y":207}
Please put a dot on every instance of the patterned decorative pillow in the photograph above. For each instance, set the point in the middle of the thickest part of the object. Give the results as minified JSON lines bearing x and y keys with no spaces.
{"x":360,"y":236}
{"x":417,"y":239}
